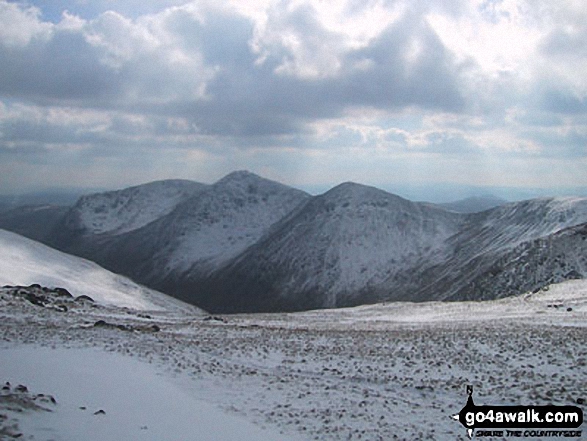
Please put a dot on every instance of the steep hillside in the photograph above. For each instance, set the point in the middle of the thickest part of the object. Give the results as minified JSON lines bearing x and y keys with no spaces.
{"x":532,"y":265}
{"x":331,"y":252}
{"x":490,"y":243}
{"x":199,"y":235}
{"x":25,"y":262}
{"x":246,"y":243}
{"x":121,"y":211}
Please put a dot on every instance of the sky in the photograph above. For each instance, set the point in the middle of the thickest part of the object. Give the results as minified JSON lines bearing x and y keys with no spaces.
{"x":391,"y":93}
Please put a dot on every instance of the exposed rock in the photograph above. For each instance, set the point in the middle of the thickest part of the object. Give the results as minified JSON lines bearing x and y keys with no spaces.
{"x":215,"y":318}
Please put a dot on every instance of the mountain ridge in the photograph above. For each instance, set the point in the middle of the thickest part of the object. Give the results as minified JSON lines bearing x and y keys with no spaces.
{"x":312,"y":256}
{"x":246,"y":243}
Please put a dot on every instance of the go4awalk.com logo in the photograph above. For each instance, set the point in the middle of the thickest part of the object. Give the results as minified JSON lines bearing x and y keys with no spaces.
{"x":520,"y":421}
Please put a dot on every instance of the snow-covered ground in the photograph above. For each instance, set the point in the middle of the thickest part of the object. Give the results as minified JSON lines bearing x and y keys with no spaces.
{"x":549,"y":305}
{"x":381,"y":372}
{"x":141,"y":404}
{"x":24,"y":262}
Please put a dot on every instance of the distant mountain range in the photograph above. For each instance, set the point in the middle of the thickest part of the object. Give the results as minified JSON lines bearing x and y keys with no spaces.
{"x":247,"y":244}
{"x":474,"y":204}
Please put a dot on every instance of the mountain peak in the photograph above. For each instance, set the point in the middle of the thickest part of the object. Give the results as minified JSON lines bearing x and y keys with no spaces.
{"x":240,"y":176}
{"x":355,"y":194}
{"x":121,"y":211}
{"x":243,"y":181}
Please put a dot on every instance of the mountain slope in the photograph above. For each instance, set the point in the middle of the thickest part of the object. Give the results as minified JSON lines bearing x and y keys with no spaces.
{"x":37,"y":222}
{"x":246,"y":243}
{"x":331,"y":252}
{"x":356,"y":244}
{"x":199,"y":235}
{"x":121,"y":211}
{"x":532,"y":265}
{"x":490,"y":243}
{"x":223,"y":221}
{"x":26,"y":262}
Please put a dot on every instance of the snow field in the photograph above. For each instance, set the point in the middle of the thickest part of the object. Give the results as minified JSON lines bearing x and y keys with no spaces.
{"x":138,"y":403}
{"x":324,"y":375}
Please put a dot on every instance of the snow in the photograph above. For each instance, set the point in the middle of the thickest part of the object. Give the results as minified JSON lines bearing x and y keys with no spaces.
{"x":24,"y":262}
{"x":228,"y":217}
{"x":375,"y":372}
{"x":379,"y":372}
{"x":345,"y":242}
{"x":529,"y":306}
{"x":246,"y":237}
{"x":517,"y":222}
{"x":118,"y":212}
{"x":138,"y":402}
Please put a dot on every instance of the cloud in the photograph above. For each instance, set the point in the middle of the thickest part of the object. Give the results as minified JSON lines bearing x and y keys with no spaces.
{"x":407,"y":65}
{"x":563,"y":102}
{"x":467,"y":81}
{"x":19,"y":26}
{"x":202,"y":61}
{"x":109,"y":61}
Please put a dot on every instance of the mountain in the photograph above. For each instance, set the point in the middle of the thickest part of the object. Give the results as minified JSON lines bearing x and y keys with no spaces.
{"x":197,"y":236}
{"x":474,"y":204}
{"x":490,"y":244}
{"x":112,"y":212}
{"x":96,"y":221}
{"x":121,"y":211}
{"x":333,"y":251}
{"x":535,"y":264}
{"x":246,"y":243}
{"x":356,"y":244}
{"x":25,"y":262}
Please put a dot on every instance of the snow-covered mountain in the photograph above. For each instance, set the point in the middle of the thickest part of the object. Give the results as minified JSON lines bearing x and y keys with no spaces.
{"x":121,"y":211}
{"x":331,"y":252}
{"x":357,"y":245}
{"x":197,"y":236}
{"x":25,"y":262}
{"x":494,"y":242}
{"x":223,"y":221}
{"x":529,"y":266}
{"x":246,"y":243}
